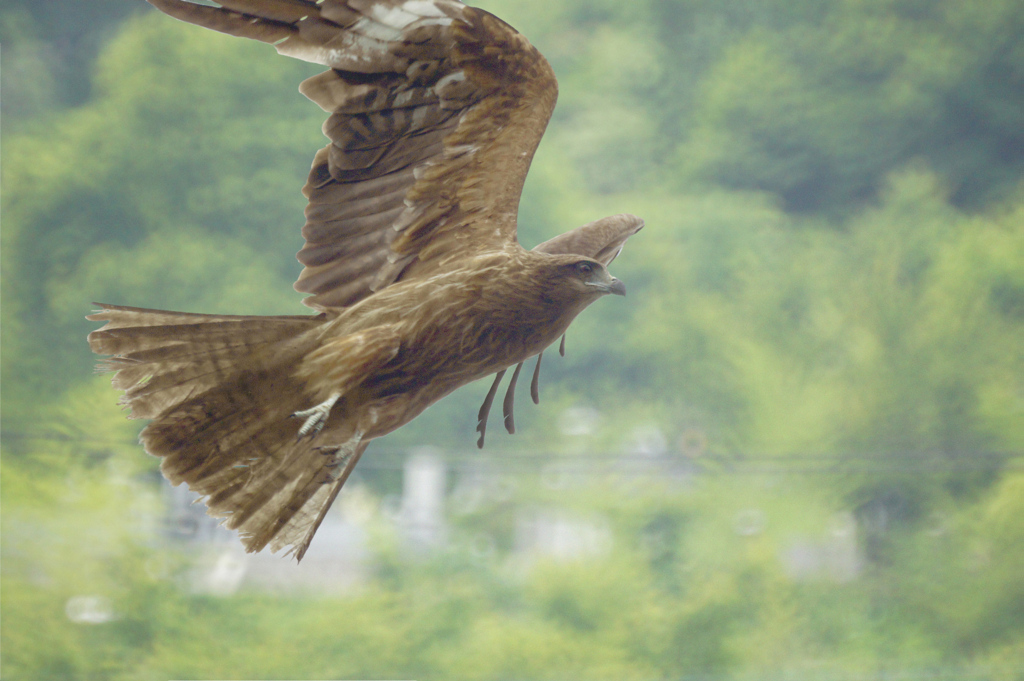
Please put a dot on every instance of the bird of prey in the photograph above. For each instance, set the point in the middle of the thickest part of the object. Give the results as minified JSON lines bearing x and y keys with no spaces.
{"x":420,"y":286}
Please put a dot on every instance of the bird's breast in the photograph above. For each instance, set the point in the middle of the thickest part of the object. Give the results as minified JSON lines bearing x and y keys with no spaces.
{"x":455,"y":328}
{"x":456,"y":333}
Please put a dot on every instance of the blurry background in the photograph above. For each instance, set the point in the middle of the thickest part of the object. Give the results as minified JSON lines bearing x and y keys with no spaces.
{"x":793,"y":452}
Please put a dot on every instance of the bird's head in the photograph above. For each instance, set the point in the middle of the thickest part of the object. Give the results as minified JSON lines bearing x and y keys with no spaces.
{"x":579,"y":278}
{"x":595,"y":278}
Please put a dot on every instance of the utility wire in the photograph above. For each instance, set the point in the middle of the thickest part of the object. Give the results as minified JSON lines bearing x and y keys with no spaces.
{"x":672,"y":463}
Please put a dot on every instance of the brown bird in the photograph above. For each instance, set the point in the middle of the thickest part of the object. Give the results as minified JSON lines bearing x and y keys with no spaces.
{"x":436,"y":110}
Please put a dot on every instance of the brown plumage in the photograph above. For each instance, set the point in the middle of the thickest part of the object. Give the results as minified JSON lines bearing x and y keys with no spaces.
{"x":410,"y":256}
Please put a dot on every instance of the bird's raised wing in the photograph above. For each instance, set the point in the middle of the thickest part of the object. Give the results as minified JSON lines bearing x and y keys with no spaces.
{"x":601,"y":239}
{"x":435,"y":109}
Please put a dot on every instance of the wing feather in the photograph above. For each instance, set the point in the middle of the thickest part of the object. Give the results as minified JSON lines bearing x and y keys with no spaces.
{"x":435,"y":112}
{"x":601,"y":239}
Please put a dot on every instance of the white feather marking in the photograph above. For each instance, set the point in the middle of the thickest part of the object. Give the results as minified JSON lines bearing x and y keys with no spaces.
{"x":456,"y":77}
{"x":352,"y":50}
{"x":419,"y":171}
{"x":418,"y":114}
{"x":461,"y":149}
{"x":392,"y":16}
{"x":405,"y":218}
{"x":342,"y":57}
{"x":402,"y":98}
{"x":371,"y":29}
{"x":424,"y":8}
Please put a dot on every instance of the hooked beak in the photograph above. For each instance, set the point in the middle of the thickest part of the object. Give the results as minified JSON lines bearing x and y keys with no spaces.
{"x":614,"y":286}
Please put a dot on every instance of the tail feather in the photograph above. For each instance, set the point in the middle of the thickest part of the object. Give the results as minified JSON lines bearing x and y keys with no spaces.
{"x":220,"y":390}
{"x":171,"y":338}
{"x":302,"y":513}
{"x":125,"y":317}
{"x":164,"y":358}
{"x":236,"y":424}
{"x":271,"y":488}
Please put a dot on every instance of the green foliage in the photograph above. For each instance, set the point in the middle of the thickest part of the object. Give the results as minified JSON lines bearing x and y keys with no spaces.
{"x":831,"y":273}
{"x":818,"y":102}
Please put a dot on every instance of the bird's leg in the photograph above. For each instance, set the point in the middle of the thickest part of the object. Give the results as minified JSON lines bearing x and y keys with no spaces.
{"x":510,"y":400}
{"x":341,"y":454}
{"x":485,"y":409}
{"x":535,"y":383}
{"x":315,"y":417}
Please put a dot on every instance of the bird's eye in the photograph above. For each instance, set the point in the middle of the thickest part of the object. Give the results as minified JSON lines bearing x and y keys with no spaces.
{"x":584,"y":267}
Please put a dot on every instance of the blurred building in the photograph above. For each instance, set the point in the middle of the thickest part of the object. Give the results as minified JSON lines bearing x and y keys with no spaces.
{"x":439,"y":494}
